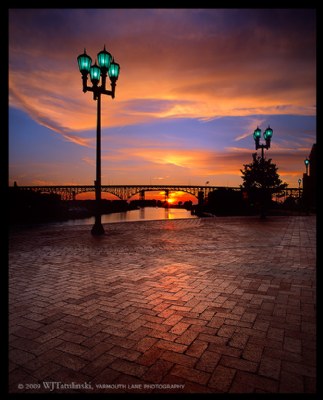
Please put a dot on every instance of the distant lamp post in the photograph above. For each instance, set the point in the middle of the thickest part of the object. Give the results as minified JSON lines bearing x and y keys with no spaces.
{"x":267,"y":136}
{"x":299,"y":188}
{"x":106,"y":66}
{"x":306,"y":162}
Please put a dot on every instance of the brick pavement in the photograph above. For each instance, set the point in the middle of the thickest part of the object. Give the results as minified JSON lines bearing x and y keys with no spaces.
{"x":217,"y":305}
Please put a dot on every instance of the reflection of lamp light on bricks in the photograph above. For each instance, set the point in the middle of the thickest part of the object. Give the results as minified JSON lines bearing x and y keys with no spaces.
{"x":306,"y":162}
{"x":97,"y":72}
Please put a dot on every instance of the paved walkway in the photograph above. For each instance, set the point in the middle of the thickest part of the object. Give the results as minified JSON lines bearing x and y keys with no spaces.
{"x":213,"y":305}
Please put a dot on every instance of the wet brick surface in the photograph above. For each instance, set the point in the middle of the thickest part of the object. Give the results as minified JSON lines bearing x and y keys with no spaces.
{"x":225,"y":304}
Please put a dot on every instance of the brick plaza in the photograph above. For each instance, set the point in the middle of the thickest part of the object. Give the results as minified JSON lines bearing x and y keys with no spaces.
{"x":215,"y":305}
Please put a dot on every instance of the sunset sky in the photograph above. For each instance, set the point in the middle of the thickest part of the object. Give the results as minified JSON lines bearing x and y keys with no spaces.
{"x":193,"y":86}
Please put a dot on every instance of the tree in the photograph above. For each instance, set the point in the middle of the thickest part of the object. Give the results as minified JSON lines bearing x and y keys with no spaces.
{"x":261,"y":180}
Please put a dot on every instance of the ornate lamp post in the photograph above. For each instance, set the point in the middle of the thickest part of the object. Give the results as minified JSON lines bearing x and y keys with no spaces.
{"x":267,"y":136}
{"x":106,"y":65}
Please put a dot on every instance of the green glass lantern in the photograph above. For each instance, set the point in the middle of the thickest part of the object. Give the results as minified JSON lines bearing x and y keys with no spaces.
{"x":104,"y":59}
{"x":114,"y":70}
{"x":268,"y":133}
{"x":84,"y":62}
{"x":95,"y":74}
{"x":257,"y":134}
{"x":306,"y":161}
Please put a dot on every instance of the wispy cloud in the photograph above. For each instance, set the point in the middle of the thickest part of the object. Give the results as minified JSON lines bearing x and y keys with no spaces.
{"x":159,"y":76}
{"x":44,"y":118}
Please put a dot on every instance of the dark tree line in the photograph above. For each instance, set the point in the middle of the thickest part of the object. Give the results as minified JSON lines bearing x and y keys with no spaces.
{"x":260,"y":182}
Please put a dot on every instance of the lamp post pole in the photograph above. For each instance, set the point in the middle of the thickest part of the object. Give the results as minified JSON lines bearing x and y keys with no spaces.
{"x":299,"y":195}
{"x":306,"y":186}
{"x":267,"y":136}
{"x":306,"y":162}
{"x":97,"y":72}
{"x":97,"y":228}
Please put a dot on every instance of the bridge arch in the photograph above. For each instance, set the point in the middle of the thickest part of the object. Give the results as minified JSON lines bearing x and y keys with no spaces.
{"x":103,"y":190}
{"x":161,"y":189}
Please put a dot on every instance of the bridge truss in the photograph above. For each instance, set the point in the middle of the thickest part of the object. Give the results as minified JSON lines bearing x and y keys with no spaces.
{"x":125,"y":192}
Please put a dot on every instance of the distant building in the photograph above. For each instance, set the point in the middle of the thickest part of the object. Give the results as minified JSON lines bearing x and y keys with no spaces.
{"x":310,"y":181}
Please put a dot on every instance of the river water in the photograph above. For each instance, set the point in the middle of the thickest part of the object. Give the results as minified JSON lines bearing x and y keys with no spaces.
{"x":142,"y":214}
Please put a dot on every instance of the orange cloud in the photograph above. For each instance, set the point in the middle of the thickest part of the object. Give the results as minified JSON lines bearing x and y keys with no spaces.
{"x":196,"y":71}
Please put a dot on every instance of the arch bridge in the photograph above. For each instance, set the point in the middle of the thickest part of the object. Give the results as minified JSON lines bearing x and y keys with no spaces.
{"x":123,"y":192}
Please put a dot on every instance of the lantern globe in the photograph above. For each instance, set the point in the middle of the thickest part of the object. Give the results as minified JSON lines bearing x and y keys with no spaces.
{"x":84,"y":62}
{"x":104,"y":59}
{"x":114,"y":71}
{"x":257,"y":133}
{"x":268,"y":133}
{"x":95,"y":74}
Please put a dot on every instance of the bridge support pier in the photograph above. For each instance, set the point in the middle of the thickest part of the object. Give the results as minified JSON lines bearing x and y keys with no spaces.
{"x":166,"y":197}
{"x":200,"y":198}
{"x":142,"y":195}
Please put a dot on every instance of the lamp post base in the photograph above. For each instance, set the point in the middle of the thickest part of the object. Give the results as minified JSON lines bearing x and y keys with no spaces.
{"x":97,"y":229}
{"x":262,"y":213}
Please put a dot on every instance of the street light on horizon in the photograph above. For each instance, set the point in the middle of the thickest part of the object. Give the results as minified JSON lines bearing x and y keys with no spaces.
{"x":106,"y":65}
{"x":306,"y":162}
{"x":267,"y":136}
